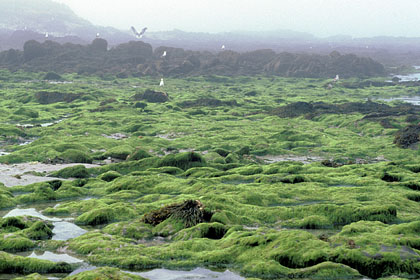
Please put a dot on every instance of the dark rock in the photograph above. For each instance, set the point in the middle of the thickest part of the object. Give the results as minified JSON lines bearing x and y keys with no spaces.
{"x":152,"y":96}
{"x":47,"y":97}
{"x":407,"y":136}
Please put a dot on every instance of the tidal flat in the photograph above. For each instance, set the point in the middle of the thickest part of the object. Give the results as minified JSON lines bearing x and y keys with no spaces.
{"x":253,"y":177}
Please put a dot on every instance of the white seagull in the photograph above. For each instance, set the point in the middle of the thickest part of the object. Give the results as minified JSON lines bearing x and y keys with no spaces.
{"x":138,"y":34}
{"x":46,"y":35}
{"x":336,"y":78}
{"x":223,"y":47}
{"x":97,"y":35}
{"x":164,"y":54}
{"x":161,"y":83}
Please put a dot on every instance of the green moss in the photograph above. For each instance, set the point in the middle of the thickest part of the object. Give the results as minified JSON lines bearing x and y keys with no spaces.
{"x":138,"y":154}
{"x":182,"y":160}
{"x":72,"y":155}
{"x":107,"y":214}
{"x":110,"y":176}
{"x":15,"y":243}
{"x":15,"y":264}
{"x":39,"y":230}
{"x":77,"y":171}
{"x":119,"y":152}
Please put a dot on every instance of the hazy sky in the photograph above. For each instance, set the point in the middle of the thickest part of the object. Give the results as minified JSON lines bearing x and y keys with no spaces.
{"x":320,"y":17}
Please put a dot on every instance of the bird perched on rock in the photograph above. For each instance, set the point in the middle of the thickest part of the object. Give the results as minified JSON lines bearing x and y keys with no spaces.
{"x":46,"y":35}
{"x":223,"y":47}
{"x":164,"y":54}
{"x":97,"y":35}
{"x":161,"y":83}
{"x":138,"y":34}
{"x":336,"y":78}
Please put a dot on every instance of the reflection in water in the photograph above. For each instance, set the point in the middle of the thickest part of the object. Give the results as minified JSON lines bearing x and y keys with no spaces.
{"x":30,"y":212}
{"x":49,"y":256}
{"x":65,"y":230}
{"x":415,"y":100}
{"x":198,"y":273}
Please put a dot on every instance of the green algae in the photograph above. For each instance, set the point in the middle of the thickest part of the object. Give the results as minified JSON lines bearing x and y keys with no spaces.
{"x":270,"y":220}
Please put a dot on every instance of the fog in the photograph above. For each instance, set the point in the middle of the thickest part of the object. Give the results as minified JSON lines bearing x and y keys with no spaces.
{"x":358,"y":18}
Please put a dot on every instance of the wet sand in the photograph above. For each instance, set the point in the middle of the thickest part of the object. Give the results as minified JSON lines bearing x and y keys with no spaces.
{"x":19,"y":174}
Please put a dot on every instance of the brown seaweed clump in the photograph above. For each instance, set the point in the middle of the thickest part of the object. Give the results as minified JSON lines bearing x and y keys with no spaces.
{"x":190,"y":212}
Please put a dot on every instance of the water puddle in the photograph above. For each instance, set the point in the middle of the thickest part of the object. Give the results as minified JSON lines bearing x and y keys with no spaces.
{"x":49,"y":256}
{"x":63,"y":229}
{"x":413,"y":77}
{"x":116,"y":136}
{"x":82,"y":268}
{"x":66,"y":230}
{"x":198,"y":273}
{"x":279,"y":158}
{"x":170,"y":136}
{"x":415,"y":100}
{"x":20,"y":174}
{"x":30,"y":212}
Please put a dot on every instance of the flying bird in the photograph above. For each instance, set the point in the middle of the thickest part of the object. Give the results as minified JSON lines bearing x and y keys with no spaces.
{"x":161,"y":83}
{"x":138,"y":34}
{"x":164,"y":54}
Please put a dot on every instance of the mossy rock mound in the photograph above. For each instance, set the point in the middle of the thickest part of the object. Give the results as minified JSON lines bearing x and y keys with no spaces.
{"x":294,"y":110}
{"x":138,"y":154}
{"x":106,"y":214}
{"x":119,"y":152}
{"x":152,"y":96}
{"x":52,"y":76}
{"x":26,"y":112}
{"x":75,"y":156}
{"x":15,"y":242}
{"x":77,"y":171}
{"x":11,"y":264}
{"x":209,"y":102}
{"x":110,"y":176}
{"x":6,"y":199}
{"x":39,"y":230}
{"x":182,"y":160}
{"x":204,"y":230}
{"x":407,"y":136}
{"x":190,"y":212}
{"x":49,"y":97}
